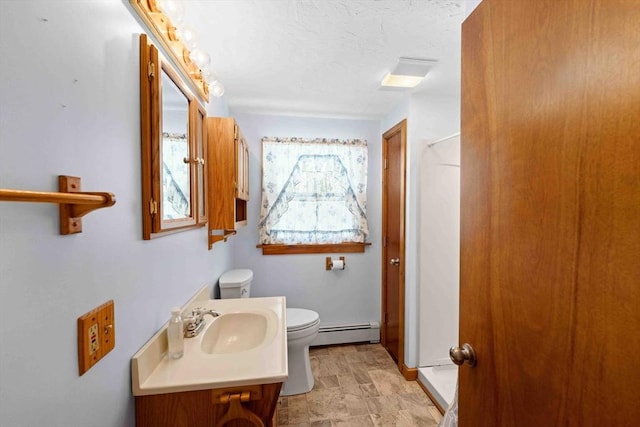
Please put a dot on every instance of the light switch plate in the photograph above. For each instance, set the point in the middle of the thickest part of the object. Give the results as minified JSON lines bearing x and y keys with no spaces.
{"x":96,"y":335}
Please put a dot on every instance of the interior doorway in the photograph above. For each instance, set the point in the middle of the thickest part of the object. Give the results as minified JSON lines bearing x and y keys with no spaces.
{"x":394,"y":143}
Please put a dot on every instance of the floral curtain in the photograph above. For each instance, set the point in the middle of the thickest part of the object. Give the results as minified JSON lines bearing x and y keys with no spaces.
{"x":314,"y":191}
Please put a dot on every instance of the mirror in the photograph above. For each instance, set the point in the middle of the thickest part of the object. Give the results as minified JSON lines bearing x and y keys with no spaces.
{"x":173,"y":148}
{"x":176,"y":170}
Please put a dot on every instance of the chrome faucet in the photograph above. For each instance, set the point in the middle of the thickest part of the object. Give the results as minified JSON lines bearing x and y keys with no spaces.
{"x":195,"y":323}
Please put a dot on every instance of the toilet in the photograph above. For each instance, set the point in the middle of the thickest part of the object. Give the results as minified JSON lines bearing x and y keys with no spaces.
{"x":302,"y":329}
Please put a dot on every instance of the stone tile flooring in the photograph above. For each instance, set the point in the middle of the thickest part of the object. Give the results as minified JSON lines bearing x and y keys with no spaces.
{"x":357,"y":385}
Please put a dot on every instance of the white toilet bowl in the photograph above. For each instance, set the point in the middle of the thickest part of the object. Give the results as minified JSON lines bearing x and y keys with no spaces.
{"x":302,"y":329}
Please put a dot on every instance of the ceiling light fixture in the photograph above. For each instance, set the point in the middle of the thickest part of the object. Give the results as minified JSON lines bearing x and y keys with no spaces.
{"x":408,"y":73}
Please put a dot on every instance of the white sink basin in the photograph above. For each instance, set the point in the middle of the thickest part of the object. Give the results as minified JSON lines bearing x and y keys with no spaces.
{"x":236,"y":332}
{"x":246,"y":344}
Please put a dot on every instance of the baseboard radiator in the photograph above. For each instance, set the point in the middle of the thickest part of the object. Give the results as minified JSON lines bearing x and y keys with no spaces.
{"x":348,"y":333}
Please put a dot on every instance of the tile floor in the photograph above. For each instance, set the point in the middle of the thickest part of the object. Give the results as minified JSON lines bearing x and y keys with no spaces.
{"x":357,"y":385}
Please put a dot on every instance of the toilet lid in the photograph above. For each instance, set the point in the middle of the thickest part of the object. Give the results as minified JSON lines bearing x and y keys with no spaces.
{"x":299,"y":318}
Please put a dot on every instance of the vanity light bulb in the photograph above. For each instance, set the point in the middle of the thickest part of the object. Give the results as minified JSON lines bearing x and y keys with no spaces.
{"x":216,"y":88}
{"x":188,"y":36}
{"x":208,"y":75}
{"x":200,"y":58}
{"x":174,"y":9}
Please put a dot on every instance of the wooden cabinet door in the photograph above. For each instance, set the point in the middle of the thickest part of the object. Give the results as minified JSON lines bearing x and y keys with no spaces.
{"x":242,"y":167}
{"x":228,"y":178}
{"x":550,"y":213}
{"x":203,"y":408}
{"x":221,"y":173}
{"x":245,"y":170}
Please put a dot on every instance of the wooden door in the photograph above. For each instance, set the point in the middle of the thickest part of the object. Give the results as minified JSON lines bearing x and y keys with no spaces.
{"x":242,"y":167}
{"x":393,"y":202}
{"x":240,"y":147}
{"x":550,"y":213}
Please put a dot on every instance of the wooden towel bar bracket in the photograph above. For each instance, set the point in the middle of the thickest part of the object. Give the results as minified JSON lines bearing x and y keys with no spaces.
{"x":74,"y":204}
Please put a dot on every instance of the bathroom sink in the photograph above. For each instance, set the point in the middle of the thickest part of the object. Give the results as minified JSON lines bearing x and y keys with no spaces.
{"x":236,"y":332}
{"x":246,"y":344}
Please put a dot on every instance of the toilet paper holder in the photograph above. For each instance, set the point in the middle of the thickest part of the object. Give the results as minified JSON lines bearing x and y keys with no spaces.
{"x":329,"y":263}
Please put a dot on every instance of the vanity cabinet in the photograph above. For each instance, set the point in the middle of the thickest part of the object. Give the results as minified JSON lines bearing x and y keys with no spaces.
{"x":252,"y":405}
{"x":228,"y":183}
{"x":235,"y":383}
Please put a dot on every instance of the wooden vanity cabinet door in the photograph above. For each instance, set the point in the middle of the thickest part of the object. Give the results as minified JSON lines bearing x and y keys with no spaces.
{"x":242,"y":167}
{"x":185,"y":409}
{"x":195,"y":408}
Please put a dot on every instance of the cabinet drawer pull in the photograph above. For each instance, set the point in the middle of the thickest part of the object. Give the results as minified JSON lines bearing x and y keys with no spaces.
{"x":236,"y":410}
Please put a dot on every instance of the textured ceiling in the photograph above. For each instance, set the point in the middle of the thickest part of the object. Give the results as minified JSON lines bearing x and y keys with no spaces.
{"x":325,"y":57}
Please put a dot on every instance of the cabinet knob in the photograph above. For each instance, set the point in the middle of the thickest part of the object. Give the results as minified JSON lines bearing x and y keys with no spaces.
{"x":198,"y":160}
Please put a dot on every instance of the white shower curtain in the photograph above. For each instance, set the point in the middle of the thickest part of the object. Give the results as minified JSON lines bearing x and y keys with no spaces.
{"x":450,"y":418}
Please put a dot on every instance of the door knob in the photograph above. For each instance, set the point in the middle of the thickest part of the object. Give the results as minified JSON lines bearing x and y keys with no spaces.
{"x":460,"y":355}
{"x":395,"y":261}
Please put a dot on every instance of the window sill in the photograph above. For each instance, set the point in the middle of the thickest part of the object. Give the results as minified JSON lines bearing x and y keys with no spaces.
{"x":313,"y":249}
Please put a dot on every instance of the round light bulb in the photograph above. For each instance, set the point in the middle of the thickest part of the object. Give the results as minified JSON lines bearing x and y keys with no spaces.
{"x":188,"y":36}
{"x":208,"y":75}
{"x":200,"y":58}
{"x":216,"y":88}
{"x":174,"y":9}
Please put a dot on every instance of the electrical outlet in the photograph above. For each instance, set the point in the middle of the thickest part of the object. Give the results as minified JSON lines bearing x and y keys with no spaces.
{"x":96,"y":335}
{"x":93,"y":338}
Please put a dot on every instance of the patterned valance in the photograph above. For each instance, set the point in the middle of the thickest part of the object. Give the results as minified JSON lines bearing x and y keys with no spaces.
{"x":314,"y":191}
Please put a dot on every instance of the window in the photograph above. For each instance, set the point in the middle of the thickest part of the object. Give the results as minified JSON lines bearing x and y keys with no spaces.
{"x":314,"y":195}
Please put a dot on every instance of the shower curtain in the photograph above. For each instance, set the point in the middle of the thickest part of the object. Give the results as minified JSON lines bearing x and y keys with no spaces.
{"x":450,"y":418}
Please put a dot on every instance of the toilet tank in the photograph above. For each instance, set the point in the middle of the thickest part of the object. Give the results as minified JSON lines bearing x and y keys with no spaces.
{"x":236,"y":284}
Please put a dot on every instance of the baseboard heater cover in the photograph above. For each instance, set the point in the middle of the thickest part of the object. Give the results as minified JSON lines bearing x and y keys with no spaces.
{"x":348,"y":333}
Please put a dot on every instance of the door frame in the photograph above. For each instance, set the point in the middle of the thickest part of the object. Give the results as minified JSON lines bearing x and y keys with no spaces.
{"x":401,"y":128}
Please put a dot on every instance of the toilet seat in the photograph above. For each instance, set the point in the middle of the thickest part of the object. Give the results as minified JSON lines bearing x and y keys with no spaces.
{"x":299,"y":319}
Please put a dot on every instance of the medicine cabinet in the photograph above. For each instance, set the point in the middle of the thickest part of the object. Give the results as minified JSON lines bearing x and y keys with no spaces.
{"x":229,"y":181}
{"x":173,"y":134}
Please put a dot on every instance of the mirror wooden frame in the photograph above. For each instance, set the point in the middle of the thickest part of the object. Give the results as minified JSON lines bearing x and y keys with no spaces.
{"x":152,"y":65}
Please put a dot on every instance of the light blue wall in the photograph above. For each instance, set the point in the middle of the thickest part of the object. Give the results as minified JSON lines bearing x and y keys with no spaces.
{"x":69,"y":104}
{"x":348,"y":296}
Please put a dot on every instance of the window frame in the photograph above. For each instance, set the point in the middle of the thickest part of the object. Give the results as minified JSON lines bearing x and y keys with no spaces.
{"x":282,"y":249}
